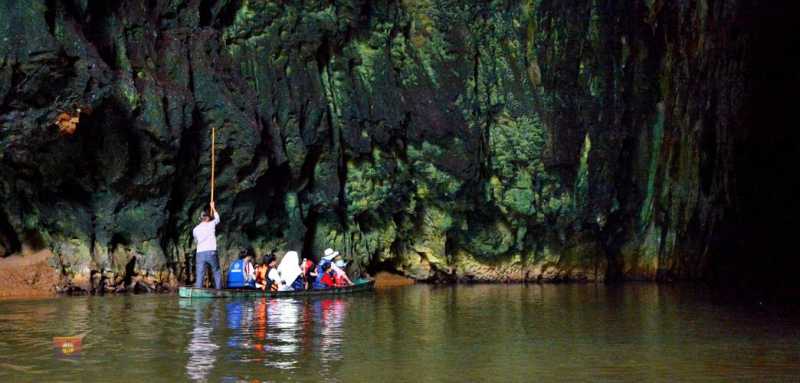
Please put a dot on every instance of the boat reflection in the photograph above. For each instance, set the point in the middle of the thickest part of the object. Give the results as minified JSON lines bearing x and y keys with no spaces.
{"x":329,"y":315}
{"x":274,"y":333}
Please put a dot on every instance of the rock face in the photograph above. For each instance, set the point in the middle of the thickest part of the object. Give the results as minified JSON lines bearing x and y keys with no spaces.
{"x":502,"y":140}
{"x":29,"y":276}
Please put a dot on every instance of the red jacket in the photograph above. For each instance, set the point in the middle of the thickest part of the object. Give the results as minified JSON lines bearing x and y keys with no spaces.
{"x":328,"y":280}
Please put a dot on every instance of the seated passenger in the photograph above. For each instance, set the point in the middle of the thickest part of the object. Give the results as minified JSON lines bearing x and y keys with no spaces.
{"x":273,"y":276}
{"x":299,"y":283}
{"x":262,"y":274}
{"x":337,"y":265}
{"x":309,"y":274}
{"x":241,"y":273}
{"x":339,"y":275}
{"x":324,"y":276}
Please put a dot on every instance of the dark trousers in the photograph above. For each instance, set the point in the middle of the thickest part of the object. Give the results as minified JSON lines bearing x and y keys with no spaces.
{"x":202,"y":258}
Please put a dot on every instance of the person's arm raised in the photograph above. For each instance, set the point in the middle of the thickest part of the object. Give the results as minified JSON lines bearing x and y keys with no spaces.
{"x":214,"y":212}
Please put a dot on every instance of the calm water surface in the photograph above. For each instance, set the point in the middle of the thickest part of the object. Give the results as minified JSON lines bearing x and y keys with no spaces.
{"x":410,"y":334}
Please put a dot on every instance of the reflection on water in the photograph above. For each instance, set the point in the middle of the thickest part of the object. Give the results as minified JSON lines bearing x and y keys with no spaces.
{"x":267,"y":332}
{"x":201,"y":348}
{"x":408,"y":334}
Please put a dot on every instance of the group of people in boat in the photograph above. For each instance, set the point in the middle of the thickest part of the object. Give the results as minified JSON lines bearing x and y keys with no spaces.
{"x":292,"y":274}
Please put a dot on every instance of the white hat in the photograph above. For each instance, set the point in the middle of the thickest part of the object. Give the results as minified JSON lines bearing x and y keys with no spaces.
{"x":330,"y":254}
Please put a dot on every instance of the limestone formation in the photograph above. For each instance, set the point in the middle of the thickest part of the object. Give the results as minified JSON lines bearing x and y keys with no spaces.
{"x":446,"y":140}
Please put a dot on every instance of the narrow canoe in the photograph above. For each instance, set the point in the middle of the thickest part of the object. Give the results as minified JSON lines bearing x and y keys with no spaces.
{"x":194,"y":292}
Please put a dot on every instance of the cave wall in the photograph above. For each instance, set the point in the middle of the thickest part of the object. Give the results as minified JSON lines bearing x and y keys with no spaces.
{"x":474,"y":140}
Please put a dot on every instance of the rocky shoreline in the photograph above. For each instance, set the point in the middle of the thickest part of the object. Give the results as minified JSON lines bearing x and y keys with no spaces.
{"x":38,"y":275}
{"x":29,"y":276}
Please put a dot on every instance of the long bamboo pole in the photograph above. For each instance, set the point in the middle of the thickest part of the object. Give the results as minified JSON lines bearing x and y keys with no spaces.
{"x":213,"y":161}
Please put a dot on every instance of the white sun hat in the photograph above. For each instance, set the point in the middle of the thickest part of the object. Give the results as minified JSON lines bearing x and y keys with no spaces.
{"x":330,"y":254}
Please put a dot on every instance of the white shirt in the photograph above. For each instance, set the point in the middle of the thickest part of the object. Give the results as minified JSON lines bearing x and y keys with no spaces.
{"x":205,"y":235}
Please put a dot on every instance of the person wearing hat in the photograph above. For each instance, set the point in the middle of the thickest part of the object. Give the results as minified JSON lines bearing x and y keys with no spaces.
{"x":205,"y":236}
{"x":329,"y":255}
{"x":337,"y":267}
{"x":324,"y":277}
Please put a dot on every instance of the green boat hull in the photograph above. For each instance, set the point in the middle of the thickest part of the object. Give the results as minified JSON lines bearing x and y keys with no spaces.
{"x":194,"y":292}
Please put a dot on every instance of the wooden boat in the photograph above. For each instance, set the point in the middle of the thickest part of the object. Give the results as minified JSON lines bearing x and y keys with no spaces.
{"x":194,"y":292}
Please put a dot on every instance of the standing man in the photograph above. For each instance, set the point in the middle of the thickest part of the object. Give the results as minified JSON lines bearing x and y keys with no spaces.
{"x":205,"y":236}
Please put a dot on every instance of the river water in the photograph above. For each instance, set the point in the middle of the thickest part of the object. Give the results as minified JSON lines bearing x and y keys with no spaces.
{"x":420,"y":333}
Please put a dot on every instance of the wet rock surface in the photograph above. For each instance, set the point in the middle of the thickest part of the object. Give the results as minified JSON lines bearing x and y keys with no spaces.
{"x":446,"y":140}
